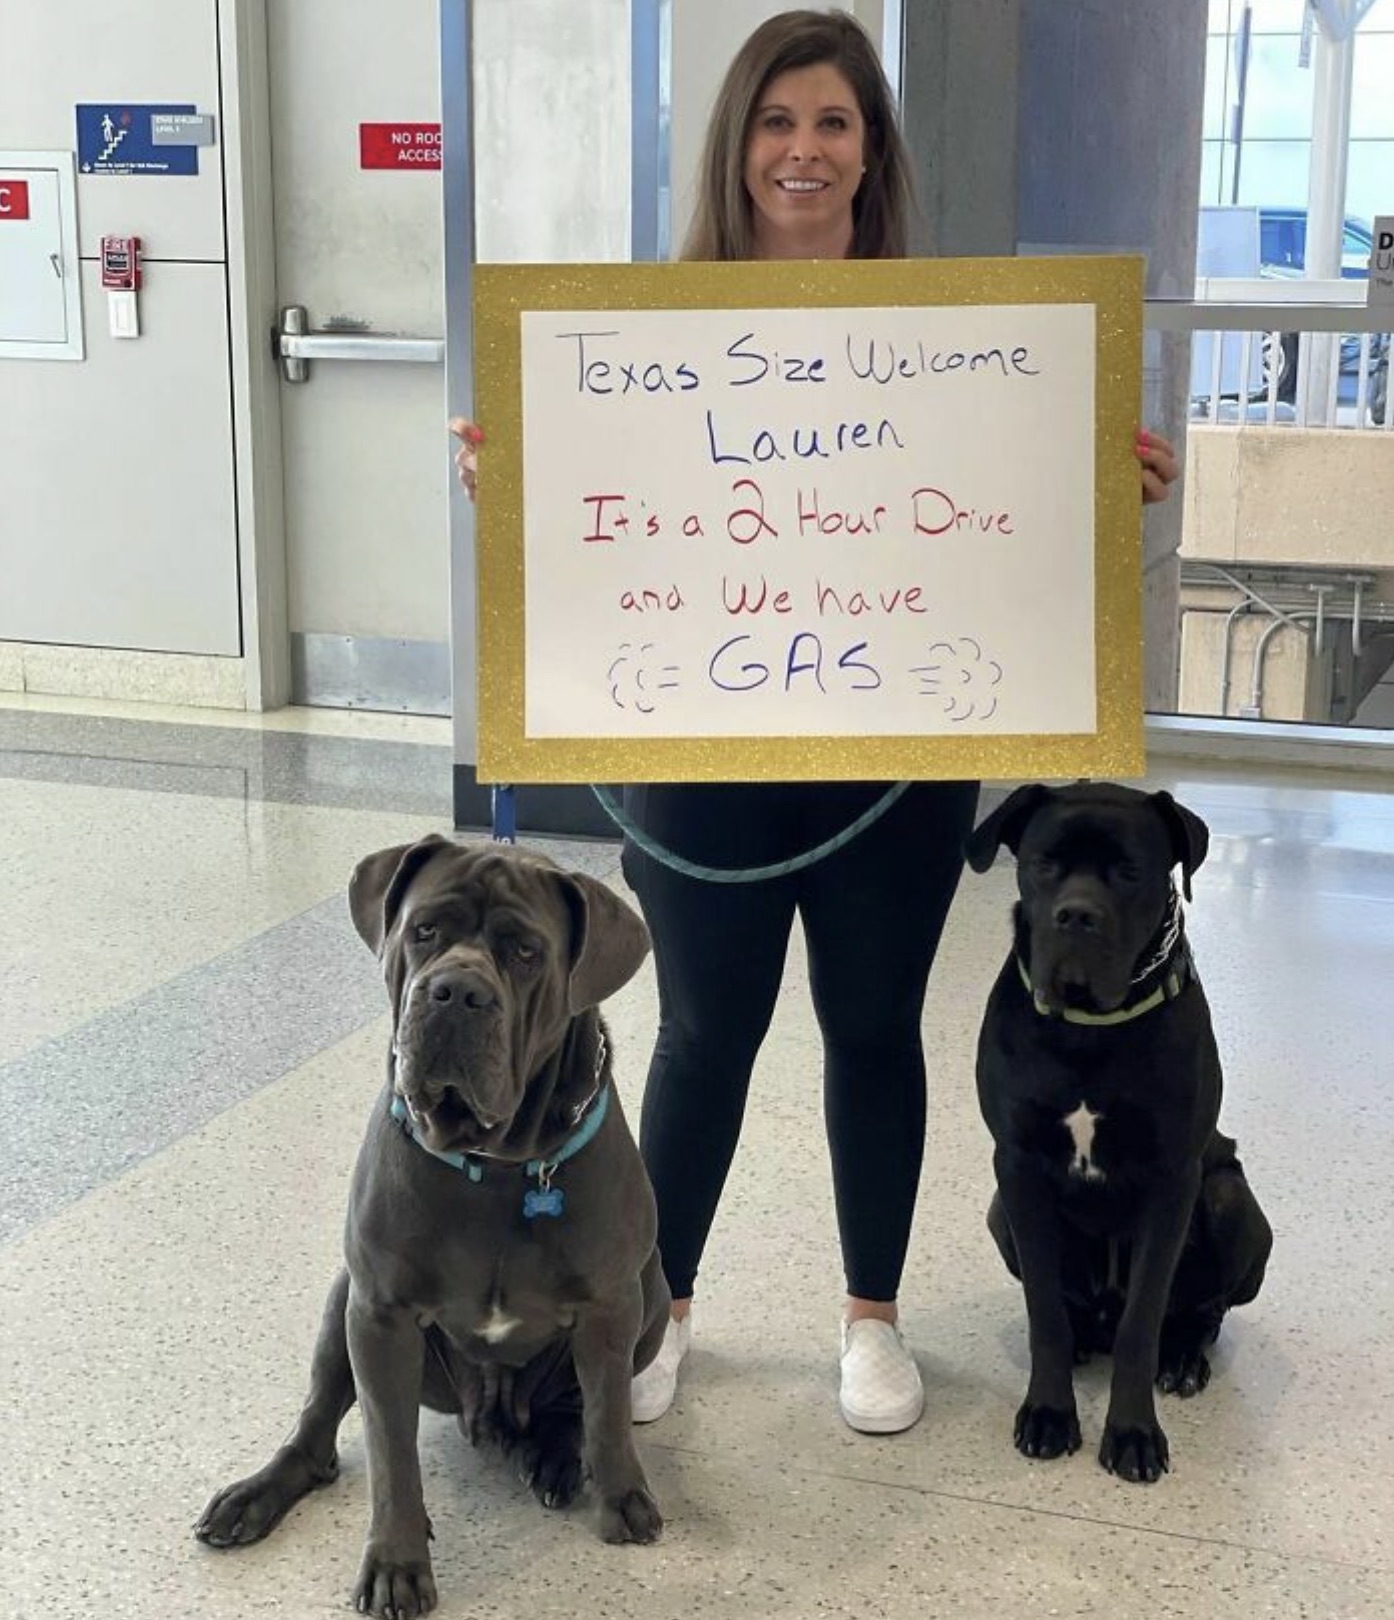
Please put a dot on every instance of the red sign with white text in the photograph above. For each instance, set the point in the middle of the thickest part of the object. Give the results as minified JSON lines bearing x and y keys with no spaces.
{"x":14,"y":198}
{"x":399,"y":146}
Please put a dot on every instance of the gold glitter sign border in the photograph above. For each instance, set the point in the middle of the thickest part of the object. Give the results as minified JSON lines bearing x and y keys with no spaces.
{"x":1112,"y":284}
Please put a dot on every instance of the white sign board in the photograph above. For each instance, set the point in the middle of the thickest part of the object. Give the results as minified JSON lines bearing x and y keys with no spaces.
{"x":1380,"y":290}
{"x":822,"y":536}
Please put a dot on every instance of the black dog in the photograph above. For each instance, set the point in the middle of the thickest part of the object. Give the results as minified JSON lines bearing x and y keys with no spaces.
{"x":1120,"y":1206}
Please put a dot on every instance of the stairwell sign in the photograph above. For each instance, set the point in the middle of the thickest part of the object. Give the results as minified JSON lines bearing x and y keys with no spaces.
{"x":119,"y":138}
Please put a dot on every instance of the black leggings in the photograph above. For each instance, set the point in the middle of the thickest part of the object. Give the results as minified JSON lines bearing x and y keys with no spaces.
{"x":872,"y":916}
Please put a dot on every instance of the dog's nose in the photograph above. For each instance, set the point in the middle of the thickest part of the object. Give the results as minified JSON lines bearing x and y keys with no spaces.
{"x":1078,"y":916}
{"x":470,"y":989}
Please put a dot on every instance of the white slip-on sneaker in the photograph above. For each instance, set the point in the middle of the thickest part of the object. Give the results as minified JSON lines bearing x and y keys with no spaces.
{"x":651,"y":1393}
{"x":881,"y":1388}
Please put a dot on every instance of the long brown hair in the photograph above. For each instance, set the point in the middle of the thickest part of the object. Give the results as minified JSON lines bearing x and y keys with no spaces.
{"x":721,"y":225}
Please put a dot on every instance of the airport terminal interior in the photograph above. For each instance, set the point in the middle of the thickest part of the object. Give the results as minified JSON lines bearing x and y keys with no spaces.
{"x":195,"y":1036}
{"x":238,"y":632}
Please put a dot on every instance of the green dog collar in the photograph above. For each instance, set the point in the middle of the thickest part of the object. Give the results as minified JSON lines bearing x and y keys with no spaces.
{"x":1168,"y":990}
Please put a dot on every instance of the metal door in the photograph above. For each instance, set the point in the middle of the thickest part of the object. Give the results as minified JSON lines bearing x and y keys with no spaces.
{"x":358,"y":257}
{"x":120,"y":524}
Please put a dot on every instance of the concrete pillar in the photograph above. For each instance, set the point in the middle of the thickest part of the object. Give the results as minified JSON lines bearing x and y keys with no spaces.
{"x":1061,"y":125}
{"x":961,"y":115}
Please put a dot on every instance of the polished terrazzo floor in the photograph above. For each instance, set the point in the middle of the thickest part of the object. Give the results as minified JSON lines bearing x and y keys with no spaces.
{"x":192,"y":1036}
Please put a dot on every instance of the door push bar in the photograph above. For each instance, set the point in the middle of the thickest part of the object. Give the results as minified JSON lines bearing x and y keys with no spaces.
{"x":295,"y":344}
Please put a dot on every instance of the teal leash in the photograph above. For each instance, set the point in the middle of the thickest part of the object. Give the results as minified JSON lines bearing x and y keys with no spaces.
{"x":742,"y":874}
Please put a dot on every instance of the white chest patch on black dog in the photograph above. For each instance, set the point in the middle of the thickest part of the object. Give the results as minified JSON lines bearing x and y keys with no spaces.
{"x":1080,"y":1125}
{"x":496,"y":1327}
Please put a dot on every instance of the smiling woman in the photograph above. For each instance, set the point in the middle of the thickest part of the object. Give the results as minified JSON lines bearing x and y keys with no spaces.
{"x":803,"y":156}
{"x":803,"y":160}
{"x":803,"y":165}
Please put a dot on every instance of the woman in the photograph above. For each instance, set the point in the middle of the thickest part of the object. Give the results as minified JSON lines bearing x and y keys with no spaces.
{"x":803,"y":160}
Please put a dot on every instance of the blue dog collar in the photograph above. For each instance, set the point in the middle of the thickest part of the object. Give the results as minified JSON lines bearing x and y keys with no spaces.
{"x":544,"y":1199}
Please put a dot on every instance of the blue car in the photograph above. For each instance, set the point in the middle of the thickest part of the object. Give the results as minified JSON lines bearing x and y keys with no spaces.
{"x":1283,"y":253}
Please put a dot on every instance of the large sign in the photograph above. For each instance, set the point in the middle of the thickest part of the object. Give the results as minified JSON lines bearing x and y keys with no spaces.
{"x":749,"y":521}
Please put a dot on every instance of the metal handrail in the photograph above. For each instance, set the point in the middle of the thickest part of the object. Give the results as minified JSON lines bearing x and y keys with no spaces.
{"x":1263,"y":303}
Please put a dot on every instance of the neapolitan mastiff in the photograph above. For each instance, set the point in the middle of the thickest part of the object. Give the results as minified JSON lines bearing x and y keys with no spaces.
{"x":501,"y":1262}
{"x":1120,"y":1206}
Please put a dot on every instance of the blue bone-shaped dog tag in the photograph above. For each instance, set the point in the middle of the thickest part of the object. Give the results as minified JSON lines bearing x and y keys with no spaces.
{"x":542,"y":1201}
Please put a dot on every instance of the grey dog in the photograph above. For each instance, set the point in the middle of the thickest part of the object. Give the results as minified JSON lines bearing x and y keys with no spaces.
{"x":1120,"y":1205}
{"x":500,"y":1240}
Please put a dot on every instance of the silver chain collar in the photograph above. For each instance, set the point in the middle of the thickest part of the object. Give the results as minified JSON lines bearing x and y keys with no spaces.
{"x":1171,"y":932}
{"x":602,"y":1048}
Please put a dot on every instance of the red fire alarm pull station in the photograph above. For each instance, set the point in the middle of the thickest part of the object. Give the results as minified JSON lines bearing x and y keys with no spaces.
{"x":121,"y":279}
{"x":121,"y":263}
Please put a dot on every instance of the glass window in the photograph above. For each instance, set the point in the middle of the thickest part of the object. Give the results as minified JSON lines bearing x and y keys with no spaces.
{"x":1210,"y":171}
{"x":1371,"y":100}
{"x":1217,"y":97}
{"x":1271,"y":16}
{"x":1268,"y":16}
{"x":1275,"y":172}
{"x":1370,"y":179}
{"x":1254,"y":563}
{"x":1279,"y":94}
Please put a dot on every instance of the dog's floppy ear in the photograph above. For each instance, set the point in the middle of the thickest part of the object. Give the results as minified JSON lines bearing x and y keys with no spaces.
{"x":378,"y":883}
{"x":1004,"y":826}
{"x":1190,"y":837}
{"x":608,"y":941}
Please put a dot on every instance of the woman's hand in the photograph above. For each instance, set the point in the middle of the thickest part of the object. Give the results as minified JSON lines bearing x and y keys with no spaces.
{"x":467,"y":457}
{"x":1160,"y":467}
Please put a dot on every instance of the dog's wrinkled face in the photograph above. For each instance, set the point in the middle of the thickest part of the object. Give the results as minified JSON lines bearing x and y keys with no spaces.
{"x":1094,"y":875}
{"x":479,"y":968}
{"x":489,"y":952}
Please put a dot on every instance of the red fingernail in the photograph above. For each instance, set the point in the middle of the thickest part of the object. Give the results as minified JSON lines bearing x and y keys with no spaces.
{"x":475,"y":435}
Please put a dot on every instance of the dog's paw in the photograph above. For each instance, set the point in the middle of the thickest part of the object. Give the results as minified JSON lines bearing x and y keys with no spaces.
{"x":394,"y":1588}
{"x":631,"y":1517}
{"x":554,"y":1471}
{"x":1183,"y":1372}
{"x":1140,"y":1455}
{"x":252,"y":1508}
{"x":1046,"y":1431}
